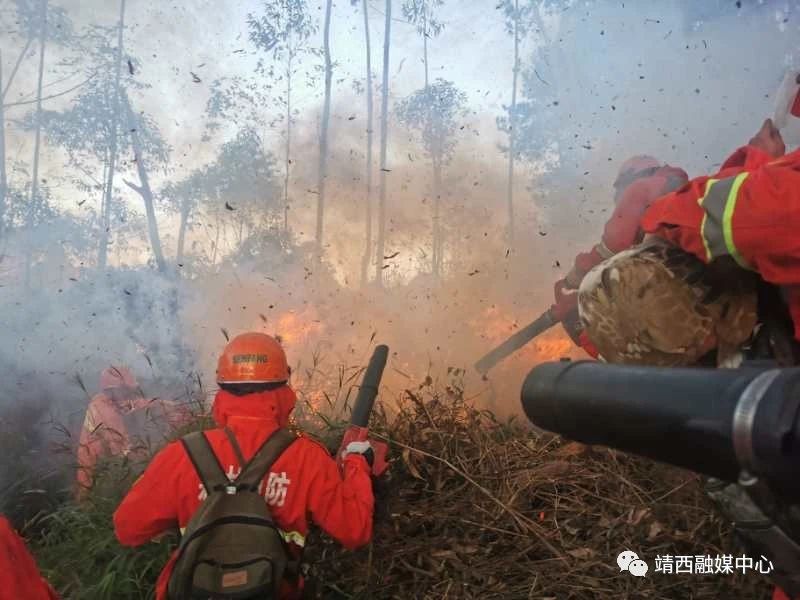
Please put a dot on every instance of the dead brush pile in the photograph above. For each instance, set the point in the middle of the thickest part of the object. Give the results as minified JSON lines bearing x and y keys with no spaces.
{"x":476,"y":508}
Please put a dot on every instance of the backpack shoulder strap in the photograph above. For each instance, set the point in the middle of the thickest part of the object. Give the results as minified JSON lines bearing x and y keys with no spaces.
{"x":263,"y":459}
{"x":237,"y":450}
{"x":204,"y":460}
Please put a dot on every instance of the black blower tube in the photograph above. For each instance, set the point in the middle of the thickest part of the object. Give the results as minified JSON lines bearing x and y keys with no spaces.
{"x":369,"y":387}
{"x":717,"y":422}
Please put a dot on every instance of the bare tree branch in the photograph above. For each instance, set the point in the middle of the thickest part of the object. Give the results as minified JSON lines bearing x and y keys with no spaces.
{"x":133,"y":186}
{"x":87,"y":173}
{"x":67,"y":91}
{"x":50,"y":84}
{"x":16,"y":66}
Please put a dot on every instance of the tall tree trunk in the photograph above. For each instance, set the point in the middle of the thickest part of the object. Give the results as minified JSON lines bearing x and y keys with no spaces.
{"x":288,"y":139}
{"x":438,"y":242}
{"x":512,"y":130}
{"x":185,"y":205}
{"x":322,"y":171}
{"x":145,"y":191}
{"x":34,"y":197}
{"x":3,"y":172}
{"x":106,"y":223}
{"x":379,"y":250}
{"x":370,"y":115}
{"x":425,"y":43}
{"x":216,"y":243}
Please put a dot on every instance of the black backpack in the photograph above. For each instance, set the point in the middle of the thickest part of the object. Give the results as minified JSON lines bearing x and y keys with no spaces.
{"x":231,"y":547}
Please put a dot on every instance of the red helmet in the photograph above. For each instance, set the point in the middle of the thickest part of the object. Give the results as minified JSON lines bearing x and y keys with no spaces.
{"x":252,"y":358}
{"x":636,"y":164}
{"x":115,"y":377}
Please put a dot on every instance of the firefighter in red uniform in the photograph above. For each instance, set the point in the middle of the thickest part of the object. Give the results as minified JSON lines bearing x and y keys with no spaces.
{"x":749,"y":212}
{"x":19,"y":576}
{"x":255,"y":400}
{"x":641,"y":180}
{"x":104,"y":432}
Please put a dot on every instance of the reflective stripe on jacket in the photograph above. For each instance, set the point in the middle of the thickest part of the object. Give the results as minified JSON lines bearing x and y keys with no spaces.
{"x":749,"y":211}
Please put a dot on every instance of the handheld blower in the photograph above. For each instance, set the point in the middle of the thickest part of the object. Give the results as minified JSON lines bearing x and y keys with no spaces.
{"x":362,"y":409}
{"x":740,"y":427}
{"x":717,"y":422}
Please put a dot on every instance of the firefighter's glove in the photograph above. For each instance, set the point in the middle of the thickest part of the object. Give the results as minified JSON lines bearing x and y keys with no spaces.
{"x":566,"y":300}
{"x":362,"y":448}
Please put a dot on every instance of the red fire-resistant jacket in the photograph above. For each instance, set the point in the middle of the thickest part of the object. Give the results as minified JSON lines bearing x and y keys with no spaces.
{"x":104,"y":432}
{"x":304,"y":482}
{"x":749,"y":211}
{"x":19,"y":576}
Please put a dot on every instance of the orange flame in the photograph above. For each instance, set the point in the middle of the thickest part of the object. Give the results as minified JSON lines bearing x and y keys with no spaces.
{"x":553,"y":345}
{"x":300,"y":332}
{"x":294,"y":328}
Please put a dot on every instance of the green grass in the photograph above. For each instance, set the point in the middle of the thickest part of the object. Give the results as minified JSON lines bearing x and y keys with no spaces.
{"x":78,"y":552}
